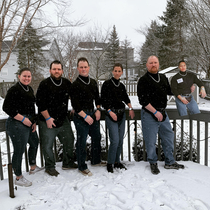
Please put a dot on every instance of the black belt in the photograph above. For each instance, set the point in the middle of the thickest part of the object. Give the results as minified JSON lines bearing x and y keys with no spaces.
{"x":88,"y":110}
{"x":186,"y":94}
{"x":118,"y":110}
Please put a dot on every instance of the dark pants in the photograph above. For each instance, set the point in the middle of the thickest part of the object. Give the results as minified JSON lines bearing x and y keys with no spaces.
{"x":83,"y":129}
{"x":116,"y":134}
{"x":20,"y":135}
{"x":66,"y":137}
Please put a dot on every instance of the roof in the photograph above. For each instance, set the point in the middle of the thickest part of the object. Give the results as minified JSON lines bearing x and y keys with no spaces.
{"x":7,"y":43}
{"x":92,"y":45}
{"x":167,"y":70}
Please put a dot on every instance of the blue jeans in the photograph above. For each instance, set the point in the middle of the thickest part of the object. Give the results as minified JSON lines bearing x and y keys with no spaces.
{"x":83,"y":129}
{"x":150,"y":129}
{"x":192,"y":107}
{"x":20,"y":135}
{"x":66,"y":137}
{"x":116,"y":134}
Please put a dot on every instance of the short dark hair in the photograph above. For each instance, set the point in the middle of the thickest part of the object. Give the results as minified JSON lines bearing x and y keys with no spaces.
{"x":182,"y":61}
{"x":117,"y":65}
{"x":82,"y":59}
{"x":20,"y":71}
{"x":56,"y":62}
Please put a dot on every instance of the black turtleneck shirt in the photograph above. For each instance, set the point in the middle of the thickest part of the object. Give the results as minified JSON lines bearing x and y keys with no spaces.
{"x":113,"y":94}
{"x":84,"y":93}
{"x":19,"y":100}
{"x":153,"y":89}
{"x":53,"y":96}
{"x":182,"y":82}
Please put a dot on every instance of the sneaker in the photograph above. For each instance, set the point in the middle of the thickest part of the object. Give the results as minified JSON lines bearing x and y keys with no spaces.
{"x":174,"y":166}
{"x":52,"y":172}
{"x":37,"y":169}
{"x":120,"y":166}
{"x":102,"y":163}
{"x":70,"y":166}
{"x":154,"y":168}
{"x":23,"y":182}
{"x":86,"y":172}
{"x":110,"y":168}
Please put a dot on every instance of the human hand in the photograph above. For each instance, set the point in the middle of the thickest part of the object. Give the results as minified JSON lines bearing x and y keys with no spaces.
{"x":98,"y":115}
{"x":27,"y":122}
{"x":89,"y":120}
{"x":50,"y":123}
{"x":34,"y":127}
{"x":131,"y":114}
{"x":159,"y":116}
{"x":184,"y":100}
{"x":203,"y":93}
{"x":192,"y":88}
{"x":113,"y":115}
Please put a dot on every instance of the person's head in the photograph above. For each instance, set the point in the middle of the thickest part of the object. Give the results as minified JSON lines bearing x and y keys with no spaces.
{"x":117,"y":70}
{"x":152,"y":64}
{"x":83,"y":66}
{"x":182,"y":66}
{"x":56,"y":69}
{"x":24,"y":76}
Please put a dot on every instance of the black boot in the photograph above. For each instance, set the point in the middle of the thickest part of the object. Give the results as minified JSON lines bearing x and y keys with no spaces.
{"x":154,"y":168}
{"x":120,"y":166}
{"x":109,"y":168}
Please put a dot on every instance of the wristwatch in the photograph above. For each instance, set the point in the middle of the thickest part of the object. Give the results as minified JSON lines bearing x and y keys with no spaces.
{"x":99,"y":109}
{"x":130,"y":109}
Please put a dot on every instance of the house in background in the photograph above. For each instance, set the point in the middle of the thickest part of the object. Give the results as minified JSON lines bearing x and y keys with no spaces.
{"x":95,"y":53}
{"x":8,"y":72}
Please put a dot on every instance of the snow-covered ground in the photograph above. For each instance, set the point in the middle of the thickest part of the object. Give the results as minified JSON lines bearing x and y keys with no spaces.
{"x":134,"y":189}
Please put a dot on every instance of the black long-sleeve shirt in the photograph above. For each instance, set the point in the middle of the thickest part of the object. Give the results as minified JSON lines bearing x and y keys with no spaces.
{"x":19,"y":100}
{"x":112,"y":95}
{"x":182,"y":82}
{"x":54,"y":98}
{"x":84,"y":92}
{"x":153,"y":89}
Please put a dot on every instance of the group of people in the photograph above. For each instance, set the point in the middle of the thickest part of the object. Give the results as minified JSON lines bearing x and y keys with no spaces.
{"x":52,"y":99}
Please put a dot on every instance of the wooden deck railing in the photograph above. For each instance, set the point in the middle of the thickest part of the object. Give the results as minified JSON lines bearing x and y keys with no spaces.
{"x":194,"y":129}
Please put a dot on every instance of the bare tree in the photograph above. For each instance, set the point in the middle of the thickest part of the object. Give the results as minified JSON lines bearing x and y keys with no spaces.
{"x":97,"y":37}
{"x":200,"y":30}
{"x":127,"y":56}
{"x":15,"y":15}
{"x":68,"y":43}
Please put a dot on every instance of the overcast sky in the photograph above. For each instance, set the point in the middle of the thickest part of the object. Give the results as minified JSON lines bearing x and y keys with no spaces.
{"x":126,"y":15}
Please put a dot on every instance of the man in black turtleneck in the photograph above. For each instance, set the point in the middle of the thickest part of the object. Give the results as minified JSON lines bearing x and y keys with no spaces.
{"x":152,"y":90}
{"x":86,"y":120}
{"x":52,"y":100}
{"x":181,"y":87}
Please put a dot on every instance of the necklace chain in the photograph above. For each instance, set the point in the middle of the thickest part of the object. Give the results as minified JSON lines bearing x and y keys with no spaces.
{"x":115,"y":84}
{"x":154,"y":78}
{"x":84,"y":81}
{"x":183,"y":74}
{"x":55,"y":83}
{"x":24,"y":88}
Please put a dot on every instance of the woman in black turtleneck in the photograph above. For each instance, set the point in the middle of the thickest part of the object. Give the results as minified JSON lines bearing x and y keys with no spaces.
{"x":181,"y":84}
{"x":114,"y":97}
{"x":21,"y":124}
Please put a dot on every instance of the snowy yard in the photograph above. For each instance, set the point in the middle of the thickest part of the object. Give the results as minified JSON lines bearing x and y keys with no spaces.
{"x":134,"y":189}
